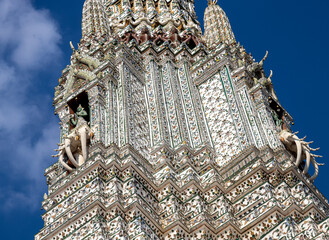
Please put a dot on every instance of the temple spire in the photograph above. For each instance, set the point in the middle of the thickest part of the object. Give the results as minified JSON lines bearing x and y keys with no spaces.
{"x":94,"y":18}
{"x":163,"y":138}
{"x":217,"y":26}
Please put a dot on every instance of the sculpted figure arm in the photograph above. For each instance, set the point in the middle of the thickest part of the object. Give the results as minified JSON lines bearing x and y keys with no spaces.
{"x":64,"y":164}
{"x":73,"y":120}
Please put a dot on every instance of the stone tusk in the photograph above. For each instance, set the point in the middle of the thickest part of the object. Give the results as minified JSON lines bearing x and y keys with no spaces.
{"x":316,"y":169}
{"x":308,"y":161}
{"x":299,"y":153}
{"x":69,"y":152}
{"x":67,"y":167}
{"x":83,"y":135}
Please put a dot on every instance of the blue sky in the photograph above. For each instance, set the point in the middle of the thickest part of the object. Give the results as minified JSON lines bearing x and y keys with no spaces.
{"x":34,"y":48}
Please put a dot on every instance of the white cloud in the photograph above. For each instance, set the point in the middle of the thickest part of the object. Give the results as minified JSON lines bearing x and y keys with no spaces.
{"x":11,"y":199}
{"x":39,"y":153}
{"x":30,"y":34}
{"x":29,"y":45}
{"x":7,"y":75}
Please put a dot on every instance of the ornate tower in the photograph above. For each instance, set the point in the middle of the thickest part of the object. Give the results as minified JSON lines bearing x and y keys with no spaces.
{"x":167,"y":136}
{"x":217,"y":26}
{"x":94,"y":18}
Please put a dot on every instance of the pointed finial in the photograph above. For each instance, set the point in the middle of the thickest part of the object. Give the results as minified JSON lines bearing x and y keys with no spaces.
{"x":212,"y":2}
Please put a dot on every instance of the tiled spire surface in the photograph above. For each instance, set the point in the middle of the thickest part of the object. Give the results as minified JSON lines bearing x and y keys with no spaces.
{"x":94,"y":18}
{"x":217,"y":25}
{"x":127,"y":15}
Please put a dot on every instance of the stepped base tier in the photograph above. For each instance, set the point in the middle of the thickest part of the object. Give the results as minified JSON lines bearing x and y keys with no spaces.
{"x":168,"y":133}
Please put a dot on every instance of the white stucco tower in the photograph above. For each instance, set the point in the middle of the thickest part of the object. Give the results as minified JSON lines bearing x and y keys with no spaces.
{"x":169,"y":133}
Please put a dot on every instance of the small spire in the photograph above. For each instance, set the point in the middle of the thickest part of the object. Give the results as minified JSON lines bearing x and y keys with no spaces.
{"x":212,"y":2}
{"x":217,"y":26}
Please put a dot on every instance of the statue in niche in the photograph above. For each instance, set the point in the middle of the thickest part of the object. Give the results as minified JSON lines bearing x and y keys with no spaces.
{"x":277,"y":120}
{"x":78,"y":117}
{"x":74,"y":148}
{"x":175,"y":39}
{"x":145,"y":35}
{"x":130,"y":35}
